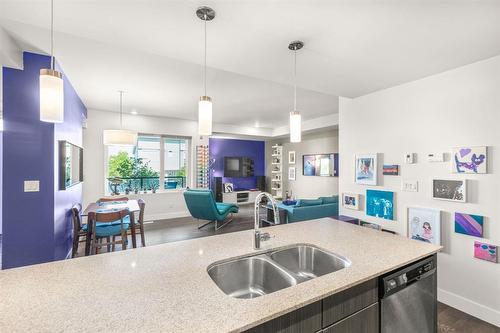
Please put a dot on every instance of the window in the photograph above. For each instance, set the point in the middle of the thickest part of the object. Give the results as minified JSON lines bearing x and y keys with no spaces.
{"x":156,"y":162}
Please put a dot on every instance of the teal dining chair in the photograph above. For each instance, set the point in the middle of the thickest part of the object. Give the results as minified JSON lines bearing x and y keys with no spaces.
{"x":202,"y":206}
{"x":107,"y":225}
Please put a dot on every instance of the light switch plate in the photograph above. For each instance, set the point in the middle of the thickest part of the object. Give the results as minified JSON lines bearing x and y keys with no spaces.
{"x":31,"y":186}
{"x":409,"y":158}
{"x":435,"y":157}
{"x":409,"y":185}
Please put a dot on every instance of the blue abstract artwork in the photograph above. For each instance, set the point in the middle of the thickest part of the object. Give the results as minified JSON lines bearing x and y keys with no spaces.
{"x":469,"y":160}
{"x":380,"y":204}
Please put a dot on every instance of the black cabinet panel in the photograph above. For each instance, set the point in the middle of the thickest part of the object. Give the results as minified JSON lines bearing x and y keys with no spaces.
{"x":347,"y":302}
{"x":303,"y":320}
{"x":364,"y":321}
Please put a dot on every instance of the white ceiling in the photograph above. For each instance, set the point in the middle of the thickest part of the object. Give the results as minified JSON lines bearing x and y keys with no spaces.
{"x":153,"y":50}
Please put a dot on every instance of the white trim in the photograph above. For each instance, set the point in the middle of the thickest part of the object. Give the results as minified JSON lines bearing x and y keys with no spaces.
{"x":480,"y":311}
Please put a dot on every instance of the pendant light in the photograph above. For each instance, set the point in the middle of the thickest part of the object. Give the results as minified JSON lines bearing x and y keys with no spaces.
{"x":295,"y":118}
{"x":120,"y":137}
{"x":51,"y":85}
{"x":205,"y":103}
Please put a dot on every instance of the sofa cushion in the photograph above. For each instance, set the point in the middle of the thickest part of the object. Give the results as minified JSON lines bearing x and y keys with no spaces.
{"x":309,"y":202}
{"x":329,"y":200}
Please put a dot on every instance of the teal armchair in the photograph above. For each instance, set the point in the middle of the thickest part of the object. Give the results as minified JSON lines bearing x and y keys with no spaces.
{"x":202,"y":206}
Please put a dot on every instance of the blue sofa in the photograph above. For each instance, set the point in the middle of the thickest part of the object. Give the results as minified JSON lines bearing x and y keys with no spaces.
{"x":310,"y":209}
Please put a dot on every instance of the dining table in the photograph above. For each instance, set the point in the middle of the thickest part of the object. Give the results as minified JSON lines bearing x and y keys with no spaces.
{"x":108,"y":207}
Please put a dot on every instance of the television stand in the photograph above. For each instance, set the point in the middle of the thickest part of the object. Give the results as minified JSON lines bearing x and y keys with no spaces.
{"x":241,"y":197}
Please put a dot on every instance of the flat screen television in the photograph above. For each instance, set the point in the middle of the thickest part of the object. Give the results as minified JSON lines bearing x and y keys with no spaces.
{"x":238,"y":166}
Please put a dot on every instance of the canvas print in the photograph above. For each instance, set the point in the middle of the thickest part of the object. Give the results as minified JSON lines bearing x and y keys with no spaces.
{"x":351,"y":201}
{"x":469,"y":224}
{"x":380,"y":204}
{"x":485,"y":251}
{"x":452,"y":190}
{"x":366,"y":169}
{"x":321,"y":165}
{"x":424,"y":225}
{"x":370,"y":225}
{"x":469,"y":160}
{"x":291,"y":173}
{"x":291,"y":157}
{"x":390,"y":170}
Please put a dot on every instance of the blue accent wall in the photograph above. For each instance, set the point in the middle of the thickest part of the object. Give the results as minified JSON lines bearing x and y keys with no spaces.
{"x":36,"y":225}
{"x":220,"y":148}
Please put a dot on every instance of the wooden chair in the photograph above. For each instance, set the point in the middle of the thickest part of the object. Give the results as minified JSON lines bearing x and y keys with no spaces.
{"x":79,"y":230}
{"x":108,"y":199}
{"x":107,"y":225}
{"x":139,"y":223}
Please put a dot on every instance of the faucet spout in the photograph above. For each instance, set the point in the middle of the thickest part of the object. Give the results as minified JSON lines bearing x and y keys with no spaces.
{"x":258,"y":236}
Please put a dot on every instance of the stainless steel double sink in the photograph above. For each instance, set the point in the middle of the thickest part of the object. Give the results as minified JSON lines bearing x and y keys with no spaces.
{"x":256,"y":275}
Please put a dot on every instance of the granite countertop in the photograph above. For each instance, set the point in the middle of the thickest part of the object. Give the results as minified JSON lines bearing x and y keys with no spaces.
{"x":166,"y":288}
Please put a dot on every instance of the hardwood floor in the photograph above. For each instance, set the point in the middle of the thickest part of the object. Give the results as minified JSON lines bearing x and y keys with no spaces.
{"x":450,"y":320}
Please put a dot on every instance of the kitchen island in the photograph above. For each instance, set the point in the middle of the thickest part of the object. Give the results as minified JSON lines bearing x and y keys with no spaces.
{"x":166,"y":288}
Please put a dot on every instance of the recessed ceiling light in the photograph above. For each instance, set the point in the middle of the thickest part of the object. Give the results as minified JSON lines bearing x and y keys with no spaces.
{"x":134,"y":112}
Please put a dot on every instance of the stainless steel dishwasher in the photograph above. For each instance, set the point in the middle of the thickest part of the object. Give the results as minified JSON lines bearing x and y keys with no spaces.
{"x":408,"y":299}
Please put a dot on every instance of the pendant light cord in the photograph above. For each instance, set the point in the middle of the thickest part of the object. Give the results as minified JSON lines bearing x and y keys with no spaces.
{"x":52,"y":35}
{"x":205,"y":67}
{"x":121,"y":109}
{"x":295,"y":79}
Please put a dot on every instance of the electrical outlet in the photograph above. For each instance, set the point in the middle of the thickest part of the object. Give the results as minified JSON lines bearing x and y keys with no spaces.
{"x":409,"y":185}
{"x":31,"y":186}
{"x":409,"y":158}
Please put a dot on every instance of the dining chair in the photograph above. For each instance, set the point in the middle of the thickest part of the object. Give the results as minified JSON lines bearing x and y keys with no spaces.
{"x":139,"y":223}
{"x":79,"y":229}
{"x":107,"y":225}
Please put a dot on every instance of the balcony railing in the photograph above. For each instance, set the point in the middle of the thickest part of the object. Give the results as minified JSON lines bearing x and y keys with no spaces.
{"x":144,"y":183}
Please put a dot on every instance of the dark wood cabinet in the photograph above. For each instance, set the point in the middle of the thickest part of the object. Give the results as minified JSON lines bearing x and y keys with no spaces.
{"x":347,"y":302}
{"x":364,"y":321}
{"x":303,"y":320}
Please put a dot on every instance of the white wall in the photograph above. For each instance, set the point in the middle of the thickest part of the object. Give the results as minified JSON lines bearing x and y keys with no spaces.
{"x":460,"y":107}
{"x":159,"y":205}
{"x":306,"y":186}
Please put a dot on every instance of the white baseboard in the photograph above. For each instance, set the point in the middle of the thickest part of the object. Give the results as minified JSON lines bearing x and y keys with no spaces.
{"x":480,"y":311}
{"x":165,"y":216}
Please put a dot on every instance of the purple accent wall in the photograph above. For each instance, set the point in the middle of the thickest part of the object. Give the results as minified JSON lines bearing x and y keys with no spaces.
{"x":35,"y":225}
{"x":219,"y":148}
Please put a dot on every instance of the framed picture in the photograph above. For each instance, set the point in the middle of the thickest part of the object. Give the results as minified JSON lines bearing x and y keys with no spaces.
{"x":390,"y":170}
{"x":380,"y":204}
{"x":291,"y":173}
{"x":469,"y":160}
{"x":291,"y":157}
{"x":485,"y":251}
{"x":370,"y":225}
{"x":321,"y":165}
{"x":424,"y":225}
{"x":350,"y":201}
{"x":468,"y":224}
{"x":366,"y":169}
{"x":451,"y":190}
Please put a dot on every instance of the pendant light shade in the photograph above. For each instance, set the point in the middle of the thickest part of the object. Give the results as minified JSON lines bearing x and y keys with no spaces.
{"x":120,"y":137}
{"x":205,"y":104}
{"x":205,"y":116}
{"x":295,"y":126}
{"x":295,"y":117}
{"x":51,"y":85}
{"x":51,"y":96}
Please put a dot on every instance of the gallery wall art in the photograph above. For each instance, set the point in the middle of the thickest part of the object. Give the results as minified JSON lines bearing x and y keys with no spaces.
{"x":390,"y":170}
{"x":291,"y":157}
{"x":321,"y":165}
{"x":350,"y":201}
{"x":291,"y":173}
{"x":424,"y":225}
{"x":485,"y":251}
{"x":469,"y":160}
{"x":469,"y":224}
{"x":451,"y":190}
{"x":380,"y":204}
{"x":366,"y":169}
